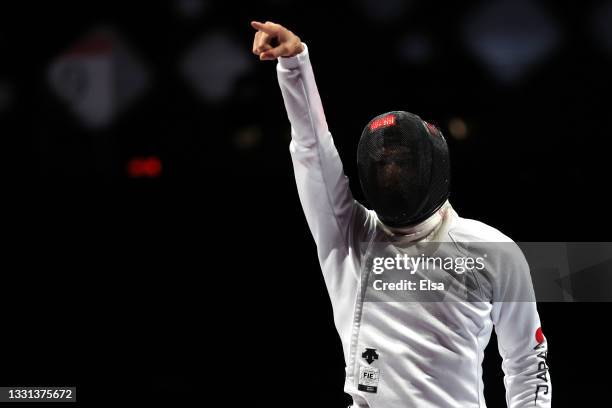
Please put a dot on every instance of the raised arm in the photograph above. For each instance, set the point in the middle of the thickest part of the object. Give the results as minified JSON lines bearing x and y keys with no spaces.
{"x":322,"y":186}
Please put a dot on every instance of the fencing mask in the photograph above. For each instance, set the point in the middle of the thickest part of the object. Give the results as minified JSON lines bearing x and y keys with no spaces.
{"x":404,"y":168}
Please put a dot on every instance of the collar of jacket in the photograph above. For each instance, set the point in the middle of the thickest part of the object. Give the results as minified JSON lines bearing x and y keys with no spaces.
{"x":421,"y":230}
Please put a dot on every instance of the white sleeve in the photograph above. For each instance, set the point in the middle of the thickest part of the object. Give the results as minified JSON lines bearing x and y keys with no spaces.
{"x":521,"y":342}
{"x":323,"y":188}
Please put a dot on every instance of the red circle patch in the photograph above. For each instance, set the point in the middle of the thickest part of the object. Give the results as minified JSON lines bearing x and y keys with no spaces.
{"x":539,"y":335}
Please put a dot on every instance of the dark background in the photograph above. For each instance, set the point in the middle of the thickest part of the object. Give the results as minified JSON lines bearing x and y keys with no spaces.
{"x":199,"y":279}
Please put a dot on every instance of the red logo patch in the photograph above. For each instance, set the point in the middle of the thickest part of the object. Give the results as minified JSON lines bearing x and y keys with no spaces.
{"x":385,"y":121}
{"x":539,"y":335}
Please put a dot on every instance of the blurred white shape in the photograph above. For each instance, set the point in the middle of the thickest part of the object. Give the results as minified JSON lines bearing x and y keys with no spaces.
{"x":214,"y":65}
{"x":384,"y":11}
{"x":415,"y":48}
{"x":190,"y":8}
{"x":602,"y":25}
{"x":98,"y":77}
{"x":510,"y":36}
{"x":6,"y":95}
{"x":131,"y":76}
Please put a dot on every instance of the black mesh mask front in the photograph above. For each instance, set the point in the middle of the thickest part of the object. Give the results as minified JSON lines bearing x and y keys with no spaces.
{"x":404,"y":168}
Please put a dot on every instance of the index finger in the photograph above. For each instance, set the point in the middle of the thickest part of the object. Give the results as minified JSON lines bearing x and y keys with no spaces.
{"x":268,"y":28}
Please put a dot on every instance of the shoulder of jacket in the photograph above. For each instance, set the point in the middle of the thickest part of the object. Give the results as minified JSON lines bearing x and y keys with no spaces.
{"x":469,"y":230}
{"x":488,"y":240}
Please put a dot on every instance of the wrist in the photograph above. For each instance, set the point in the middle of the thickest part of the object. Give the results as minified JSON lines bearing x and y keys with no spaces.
{"x":295,"y":60}
{"x":299,"y":49}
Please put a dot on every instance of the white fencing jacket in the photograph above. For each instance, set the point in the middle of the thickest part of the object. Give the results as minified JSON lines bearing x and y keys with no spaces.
{"x":420,"y":354}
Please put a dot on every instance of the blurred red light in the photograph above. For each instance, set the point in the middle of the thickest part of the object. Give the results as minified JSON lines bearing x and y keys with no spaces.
{"x":139,"y":167}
